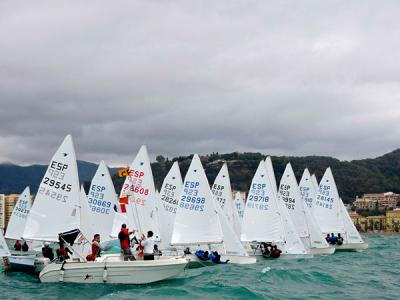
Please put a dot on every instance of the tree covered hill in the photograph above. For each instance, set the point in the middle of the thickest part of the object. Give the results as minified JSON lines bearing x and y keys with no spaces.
{"x":353,"y":178}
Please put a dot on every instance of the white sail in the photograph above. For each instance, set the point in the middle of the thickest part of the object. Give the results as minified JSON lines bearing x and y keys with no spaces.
{"x":196,"y":220}
{"x":262,"y":221}
{"x":54,"y":209}
{"x":315,"y":182}
{"x":222,"y":191}
{"x":101,"y":199}
{"x":16,"y":225}
{"x":307,"y":189}
{"x":86,"y":226}
{"x":352,"y":236}
{"x":139,"y":187}
{"x":327,"y":206}
{"x":240,"y":205}
{"x":4,"y":251}
{"x":168,"y":202}
{"x":304,"y":222}
{"x":231,"y":244}
{"x":119,"y":219}
{"x":271,"y":173}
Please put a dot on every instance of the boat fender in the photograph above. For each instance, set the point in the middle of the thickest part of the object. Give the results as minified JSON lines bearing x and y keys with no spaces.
{"x":61,"y":277}
{"x":105,"y":273}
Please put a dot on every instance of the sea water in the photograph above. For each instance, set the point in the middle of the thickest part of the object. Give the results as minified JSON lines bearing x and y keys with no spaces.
{"x":371,"y":274}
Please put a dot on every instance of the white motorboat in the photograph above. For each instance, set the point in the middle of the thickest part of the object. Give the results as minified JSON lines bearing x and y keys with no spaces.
{"x":113,"y":269}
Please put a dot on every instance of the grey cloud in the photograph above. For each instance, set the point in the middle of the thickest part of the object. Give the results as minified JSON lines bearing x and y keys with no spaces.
{"x":199,"y":76}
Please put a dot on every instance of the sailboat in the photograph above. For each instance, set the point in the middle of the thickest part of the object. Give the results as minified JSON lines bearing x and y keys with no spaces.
{"x":18,"y":260}
{"x":222,"y":191}
{"x":306,"y":226}
{"x":266,"y":220}
{"x":332,"y":216}
{"x":199,"y":222}
{"x":139,"y":189}
{"x":168,"y":200}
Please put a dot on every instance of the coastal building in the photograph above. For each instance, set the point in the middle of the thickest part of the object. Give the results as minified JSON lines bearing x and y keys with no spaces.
{"x":390,"y":222}
{"x":377,"y":201}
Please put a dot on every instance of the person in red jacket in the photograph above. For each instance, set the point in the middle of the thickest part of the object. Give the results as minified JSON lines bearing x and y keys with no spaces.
{"x":96,"y":248}
{"x":125,"y":244}
{"x":17,"y":246}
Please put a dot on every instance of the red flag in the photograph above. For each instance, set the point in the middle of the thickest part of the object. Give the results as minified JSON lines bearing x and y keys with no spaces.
{"x":124,"y":200}
{"x":123,"y":208}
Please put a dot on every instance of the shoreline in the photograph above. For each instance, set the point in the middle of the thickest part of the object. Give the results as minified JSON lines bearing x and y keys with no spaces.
{"x":380,"y":233}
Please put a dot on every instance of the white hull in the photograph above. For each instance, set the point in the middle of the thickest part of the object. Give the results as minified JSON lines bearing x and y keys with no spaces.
{"x":25,"y":263}
{"x":113,"y":269}
{"x":195,"y":262}
{"x":323,"y":251}
{"x":351,"y":247}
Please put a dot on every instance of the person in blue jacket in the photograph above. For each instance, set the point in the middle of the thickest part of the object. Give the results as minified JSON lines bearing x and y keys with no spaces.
{"x":333,"y":239}
{"x":202,"y":255}
{"x":216,"y":258}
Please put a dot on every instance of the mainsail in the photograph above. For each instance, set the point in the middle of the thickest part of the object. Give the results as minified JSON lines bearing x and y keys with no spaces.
{"x":222,"y":192}
{"x":54,"y":209}
{"x":101,"y":199}
{"x":307,"y":189}
{"x":196,"y":220}
{"x":327,"y":206}
{"x":168,"y":202}
{"x":16,"y":225}
{"x":139,"y":188}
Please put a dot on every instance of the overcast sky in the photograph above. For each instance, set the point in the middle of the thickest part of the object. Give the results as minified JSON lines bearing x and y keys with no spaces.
{"x":279,"y":77}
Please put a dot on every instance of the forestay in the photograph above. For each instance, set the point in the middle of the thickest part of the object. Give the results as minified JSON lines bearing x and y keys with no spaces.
{"x":16,"y":225}
{"x":139,"y":187}
{"x":222,"y":192}
{"x":54,"y":209}
{"x":327,"y":205}
{"x":101,"y":199}
{"x":262,"y":221}
{"x":168,"y":202}
{"x":196,"y":220}
{"x":307,"y":189}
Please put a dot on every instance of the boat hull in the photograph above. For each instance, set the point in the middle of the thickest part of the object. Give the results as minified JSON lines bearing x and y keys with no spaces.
{"x":351,"y":247}
{"x":195,"y":262}
{"x":25,"y":263}
{"x":323,"y":251}
{"x":114,"y":271}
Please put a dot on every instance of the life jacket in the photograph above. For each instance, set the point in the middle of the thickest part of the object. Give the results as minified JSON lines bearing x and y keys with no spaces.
{"x":123,"y":237}
{"x":141,"y":249}
{"x":95,"y":250}
{"x":17,"y":246}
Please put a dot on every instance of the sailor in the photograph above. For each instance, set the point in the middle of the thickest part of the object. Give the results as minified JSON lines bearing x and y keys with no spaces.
{"x":202,"y":255}
{"x":25,"y":247}
{"x":124,"y":240}
{"x":96,"y":248}
{"x":275,"y":253}
{"x":47,"y":251}
{"x":328,"y":238}
{"x":17,"y":246}
{"x":339,"y":240}
{"x":216,"y":258}
{"x":156,"y":251}
{"x":333,"y":240}
{"x":148,"y":244}
{"x":62,"y":252}
{"x":266,"y":249}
